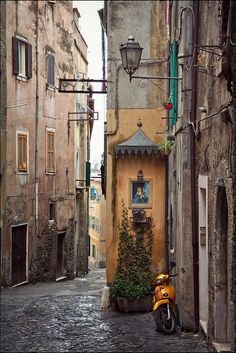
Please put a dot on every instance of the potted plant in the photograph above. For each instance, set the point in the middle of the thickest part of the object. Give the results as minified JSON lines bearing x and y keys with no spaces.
{"x":131,"y":288}
{"x":165,"y":147}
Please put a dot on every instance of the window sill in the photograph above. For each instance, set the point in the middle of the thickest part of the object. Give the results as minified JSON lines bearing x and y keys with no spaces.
{"x":50,"y":87}
{"x":21,"y":78}
{"x":18,"y":172}
{"x":50,"y":173}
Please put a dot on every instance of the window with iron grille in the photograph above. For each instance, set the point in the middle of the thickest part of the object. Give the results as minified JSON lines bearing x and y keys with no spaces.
{"x":22,"y":152}
{"x":50,"y":68}
{"x":50,"y":158}
{"x":21,"y":57}
{"x":94,"y":251}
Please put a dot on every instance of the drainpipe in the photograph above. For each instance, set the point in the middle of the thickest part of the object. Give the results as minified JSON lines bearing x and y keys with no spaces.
{"x":167,"y":198}
{"x":37,"y":126}
{"x":193,"y":180}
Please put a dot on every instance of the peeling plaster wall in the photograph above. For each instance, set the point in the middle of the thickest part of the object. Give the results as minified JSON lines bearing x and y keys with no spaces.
{"x":214,"y":158}
{"x":126,"y":103}
{"x":56,"y":33}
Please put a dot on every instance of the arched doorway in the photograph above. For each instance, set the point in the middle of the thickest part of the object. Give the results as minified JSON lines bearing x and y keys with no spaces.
{"x":221,"y":285}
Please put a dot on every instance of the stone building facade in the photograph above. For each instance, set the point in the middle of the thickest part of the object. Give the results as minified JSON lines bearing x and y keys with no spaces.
{"x":38,"y":194}
{"x":135,"y":112}
{"x":201,"y":168}
{"x":198,"y":44}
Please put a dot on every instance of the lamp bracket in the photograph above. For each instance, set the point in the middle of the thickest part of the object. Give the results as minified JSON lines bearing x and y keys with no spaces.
{"x":157,"y":78}
{"x":70,"y":86}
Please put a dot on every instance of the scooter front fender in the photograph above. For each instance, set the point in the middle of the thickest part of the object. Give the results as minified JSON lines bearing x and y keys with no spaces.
{"x":164,"y":301}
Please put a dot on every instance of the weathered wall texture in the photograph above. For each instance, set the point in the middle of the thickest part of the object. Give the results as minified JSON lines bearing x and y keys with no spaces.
{"x":55,"y":23}
{"x":214,"y":158}
{"x":127,"y":103}
{"x":211,"y":284}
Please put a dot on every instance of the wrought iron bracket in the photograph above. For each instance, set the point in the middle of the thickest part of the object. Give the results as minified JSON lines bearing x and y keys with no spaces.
{"x":157,"y":78}
{"x":70,"y":86}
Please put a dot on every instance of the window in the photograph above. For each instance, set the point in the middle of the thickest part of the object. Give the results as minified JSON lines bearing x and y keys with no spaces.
{"x":50,"y":68}
{"x":21,"y":57}
{"x":50,"y":158}
{"x":51,"y":211}
{"x":22,"y":152}
{"x":94,"y":251}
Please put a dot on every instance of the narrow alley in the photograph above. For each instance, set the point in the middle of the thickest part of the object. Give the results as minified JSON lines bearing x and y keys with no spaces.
{"x":66,"y":316}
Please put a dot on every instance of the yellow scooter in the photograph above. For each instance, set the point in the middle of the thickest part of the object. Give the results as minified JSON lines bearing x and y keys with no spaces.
{"x":164,"y":307}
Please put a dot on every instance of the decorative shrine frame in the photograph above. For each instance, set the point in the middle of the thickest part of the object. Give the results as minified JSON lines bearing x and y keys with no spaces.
{"x":140,"y":193}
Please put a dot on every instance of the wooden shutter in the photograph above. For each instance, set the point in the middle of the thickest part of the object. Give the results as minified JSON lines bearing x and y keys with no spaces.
{"x":28,"y":54}
{"x":15,"y":56}
{"x":52,"y":69}
{"x":50,"y":152}
{"x":48,"y":68}
{"x":22,"y":152}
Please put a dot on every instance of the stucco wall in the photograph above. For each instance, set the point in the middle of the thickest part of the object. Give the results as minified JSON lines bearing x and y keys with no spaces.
{"x":128,"y":102}
{"x":55,"y":31}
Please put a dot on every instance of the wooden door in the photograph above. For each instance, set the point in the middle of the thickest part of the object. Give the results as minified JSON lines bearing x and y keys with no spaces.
{"x":60,"y":255}
{"x":19,"y":254}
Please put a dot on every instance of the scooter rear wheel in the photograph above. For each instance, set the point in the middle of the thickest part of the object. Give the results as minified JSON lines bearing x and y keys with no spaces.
{"x":163,"y":324}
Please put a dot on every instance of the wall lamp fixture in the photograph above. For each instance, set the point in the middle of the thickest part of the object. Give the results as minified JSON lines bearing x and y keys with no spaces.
{"x":131,"y":55}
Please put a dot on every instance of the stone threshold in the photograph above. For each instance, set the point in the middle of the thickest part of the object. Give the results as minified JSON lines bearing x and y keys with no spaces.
{"x":221,"y":347}
{"x":20,"y":284}
{"x":62,"y":278}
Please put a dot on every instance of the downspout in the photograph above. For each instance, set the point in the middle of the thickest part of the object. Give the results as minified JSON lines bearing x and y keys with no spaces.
{"x":37,"y":126}
{"x":193,"y":180}
{"x":167,"y":198}
{"x":86,"y":240}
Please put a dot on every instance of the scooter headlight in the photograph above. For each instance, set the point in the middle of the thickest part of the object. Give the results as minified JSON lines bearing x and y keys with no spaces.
{"x":165,"y":294}
{"x":159,"y":281}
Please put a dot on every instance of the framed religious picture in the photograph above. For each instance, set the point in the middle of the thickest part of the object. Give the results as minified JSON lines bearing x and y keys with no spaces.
{"x":140,"y":193}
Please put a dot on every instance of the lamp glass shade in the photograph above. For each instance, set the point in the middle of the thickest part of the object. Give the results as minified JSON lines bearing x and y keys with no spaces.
{"x":130,"y":55}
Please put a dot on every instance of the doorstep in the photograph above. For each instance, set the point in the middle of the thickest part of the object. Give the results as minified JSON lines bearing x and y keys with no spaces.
{"x":62,"y":278}
{"x":221,"y":347}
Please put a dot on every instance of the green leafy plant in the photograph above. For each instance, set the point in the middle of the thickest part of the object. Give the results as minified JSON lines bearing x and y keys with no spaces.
{"x":133,"y":277}
{"x":165,"y":146}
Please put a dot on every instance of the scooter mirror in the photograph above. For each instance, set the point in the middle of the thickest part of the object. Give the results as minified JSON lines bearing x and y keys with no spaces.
{"x":172,"y":264}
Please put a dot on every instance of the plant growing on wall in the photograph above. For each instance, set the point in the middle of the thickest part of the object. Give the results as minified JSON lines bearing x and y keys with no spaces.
{"x":133,"y":277}
{"x":165,"y":146}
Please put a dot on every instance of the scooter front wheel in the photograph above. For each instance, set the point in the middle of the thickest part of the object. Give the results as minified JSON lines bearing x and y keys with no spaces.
{"x":165,"y":324}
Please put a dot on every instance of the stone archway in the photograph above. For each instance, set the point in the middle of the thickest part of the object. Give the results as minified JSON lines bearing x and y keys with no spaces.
{"x":221,"y":262}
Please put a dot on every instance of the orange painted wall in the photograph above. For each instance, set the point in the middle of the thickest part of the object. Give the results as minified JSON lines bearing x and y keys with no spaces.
{"x":119,"y":172}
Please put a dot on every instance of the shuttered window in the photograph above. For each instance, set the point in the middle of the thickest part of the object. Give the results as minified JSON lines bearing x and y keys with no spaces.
{"x":50,"y":151}
{"x":21,"y":58}
{"x":50,"y":68}
{"x":173,"y":83}
{"x":22,"y":151}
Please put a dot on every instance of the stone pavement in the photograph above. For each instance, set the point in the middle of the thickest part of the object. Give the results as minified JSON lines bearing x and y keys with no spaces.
{"x":66,"y":317}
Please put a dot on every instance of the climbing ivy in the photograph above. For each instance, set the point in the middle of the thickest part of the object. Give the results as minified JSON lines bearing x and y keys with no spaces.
{"x":133,"y":277}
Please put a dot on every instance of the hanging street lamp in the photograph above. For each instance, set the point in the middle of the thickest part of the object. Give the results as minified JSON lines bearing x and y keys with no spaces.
{"x":131,"y":55}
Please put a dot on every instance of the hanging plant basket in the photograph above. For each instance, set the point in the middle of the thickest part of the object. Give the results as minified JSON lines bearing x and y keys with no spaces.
{"x":165,"y":152}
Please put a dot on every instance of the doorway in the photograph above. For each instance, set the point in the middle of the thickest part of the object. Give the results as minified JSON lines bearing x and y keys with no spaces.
{"x":19,"y":240}
{"x":221,"y":285}
{"x":203,"y":250}
{"x":60,"y":254}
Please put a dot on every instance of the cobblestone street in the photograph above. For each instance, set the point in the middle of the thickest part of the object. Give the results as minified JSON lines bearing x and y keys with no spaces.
{"x":66,"y":316}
